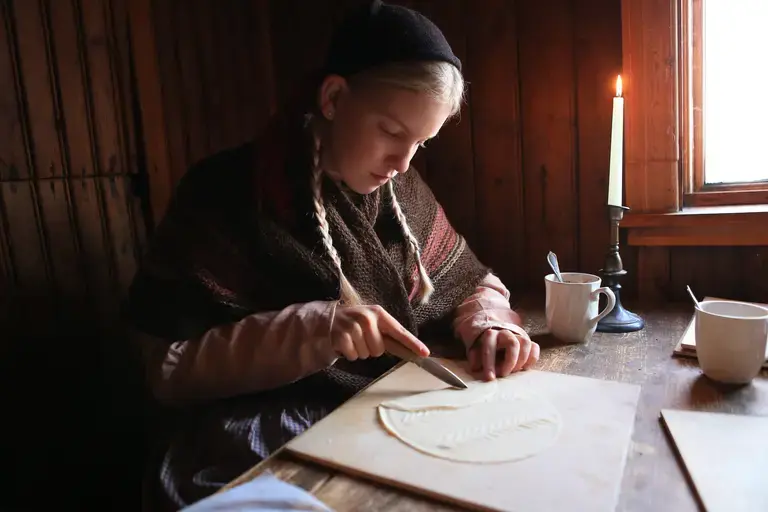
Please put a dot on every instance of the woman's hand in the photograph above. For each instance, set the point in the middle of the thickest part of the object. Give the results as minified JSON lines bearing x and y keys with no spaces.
{"x":358,"y":333}
{"x":515,"y":352}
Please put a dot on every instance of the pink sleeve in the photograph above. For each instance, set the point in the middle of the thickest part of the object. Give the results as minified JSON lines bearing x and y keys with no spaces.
{"x":487,"y":308}
{"x":262,"y":351}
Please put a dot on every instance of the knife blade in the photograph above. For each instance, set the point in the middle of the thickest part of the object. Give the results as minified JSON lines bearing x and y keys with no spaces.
{"x":440,"y":371}
{"x":428,"y":364}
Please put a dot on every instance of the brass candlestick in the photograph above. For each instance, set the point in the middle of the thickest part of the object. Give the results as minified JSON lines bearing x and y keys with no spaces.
{"x":619,"y":319}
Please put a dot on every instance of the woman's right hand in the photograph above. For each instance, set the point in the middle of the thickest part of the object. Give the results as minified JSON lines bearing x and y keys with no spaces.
{"x":358,"y":333}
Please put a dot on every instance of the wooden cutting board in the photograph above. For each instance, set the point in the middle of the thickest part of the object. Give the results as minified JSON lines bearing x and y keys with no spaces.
{"x":581,"y":471}
{"x":726,"y":457}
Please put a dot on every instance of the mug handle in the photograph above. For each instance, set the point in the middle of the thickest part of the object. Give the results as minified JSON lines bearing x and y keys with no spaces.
{"x":609,"y":306}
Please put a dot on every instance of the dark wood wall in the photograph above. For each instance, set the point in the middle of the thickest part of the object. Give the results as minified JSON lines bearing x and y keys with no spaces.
{"x":70,"y":232}
{"x":523,"y":170}
{"x":97,"y":97}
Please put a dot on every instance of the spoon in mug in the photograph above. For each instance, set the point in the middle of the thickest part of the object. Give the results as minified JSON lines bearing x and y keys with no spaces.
{"x":552,"y":260}
{"x":695,"y":300}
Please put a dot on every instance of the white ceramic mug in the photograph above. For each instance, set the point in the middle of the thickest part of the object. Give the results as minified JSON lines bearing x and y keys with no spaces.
{"x":731,"y":339}
{"x":572,"y":305}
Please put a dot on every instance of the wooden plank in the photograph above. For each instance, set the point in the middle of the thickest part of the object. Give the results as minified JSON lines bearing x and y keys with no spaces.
{"x":153,"y":118}
{"x":71,"y":75}
{"x":33,"y":284}
{"x":117,"y":27}
{"x":651,"y":152}
{"x":548,"y":115}
{"x":212,"y":101}
{"x":192,"y":90}
{"x":95,"y":245}
{"x":733,"y":216}
{"x":62,"y":239}
{"x":222,"y":20}
{"x":170,"y":75}
{"x":119,"y":221}
{"x":597,"y":26}
{"x":492,"y":71}
{"x":716,"y":235}
{"x":727,"y":198}
{"x":293,"y":57}
{"x":258,"y":66}
{"x":653,"y":277}
{"x":13,"y":158}
{"x":752,"y":264}
{"x":705,"y":272}
{"x":349,"y":494}
{"x":101,"y":88}
{"x":37,"y":88}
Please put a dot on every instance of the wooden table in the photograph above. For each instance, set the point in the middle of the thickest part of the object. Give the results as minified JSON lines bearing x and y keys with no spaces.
{"x":653,"y":478}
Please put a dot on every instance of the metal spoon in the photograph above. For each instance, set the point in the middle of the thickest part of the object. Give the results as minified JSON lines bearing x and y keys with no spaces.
{"x":695,"y":300}
{"x":552,"y":260}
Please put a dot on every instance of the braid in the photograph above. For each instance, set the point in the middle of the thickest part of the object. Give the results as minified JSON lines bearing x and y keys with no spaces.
{"x":425,"y":283}
{"x":348,"y":293}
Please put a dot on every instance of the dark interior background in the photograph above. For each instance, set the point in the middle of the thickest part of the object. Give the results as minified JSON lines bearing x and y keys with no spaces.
{"x":523,"y":171}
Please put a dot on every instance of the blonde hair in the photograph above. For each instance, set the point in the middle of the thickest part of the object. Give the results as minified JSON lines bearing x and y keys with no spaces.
{"x":440,"y":80}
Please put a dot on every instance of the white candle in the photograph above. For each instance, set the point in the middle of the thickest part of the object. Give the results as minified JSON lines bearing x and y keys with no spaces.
{"x":617,"y":136}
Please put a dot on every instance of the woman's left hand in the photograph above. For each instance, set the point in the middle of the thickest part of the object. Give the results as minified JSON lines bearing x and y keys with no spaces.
{"x":499,"y":352}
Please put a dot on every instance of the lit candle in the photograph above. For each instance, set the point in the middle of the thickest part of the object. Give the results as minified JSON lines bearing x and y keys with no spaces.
{"x":617,"y":136}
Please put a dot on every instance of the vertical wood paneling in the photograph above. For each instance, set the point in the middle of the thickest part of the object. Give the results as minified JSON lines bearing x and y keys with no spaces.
{"x":449,"y":155}
{"x":293,"y":56}
{"x":64,"y":118}
{"x":522,"y":172}
{"x":211,"y":81}
{"x":37,"y":88}
{"x":548,"y":119}
{"x":597,"y":26}
{"x":173,"y":92}
{"x":494,"y":95}
{"x":27,"y":256}
{"x":101,"y":87}
{"x":259,"y":79}
{"x":13,"y":163}
{"x":118,"y":216}
{"x":191,"y":90}
{"x":95,"y":254}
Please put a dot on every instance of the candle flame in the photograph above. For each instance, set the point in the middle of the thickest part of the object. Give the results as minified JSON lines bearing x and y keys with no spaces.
{"x":618,"y":86}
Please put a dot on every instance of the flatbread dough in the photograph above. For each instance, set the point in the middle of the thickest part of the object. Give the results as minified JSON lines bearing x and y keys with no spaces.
{"x":489,"y":422}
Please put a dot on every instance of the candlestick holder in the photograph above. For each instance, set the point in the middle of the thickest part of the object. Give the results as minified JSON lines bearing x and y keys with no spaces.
{"x":619,"y":319}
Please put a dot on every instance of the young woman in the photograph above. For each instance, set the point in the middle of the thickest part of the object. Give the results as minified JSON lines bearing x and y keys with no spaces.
{"x":281,"y":266}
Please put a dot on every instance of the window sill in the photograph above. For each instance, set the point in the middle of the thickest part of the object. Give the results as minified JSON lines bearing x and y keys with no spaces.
{"x":700,"y":226}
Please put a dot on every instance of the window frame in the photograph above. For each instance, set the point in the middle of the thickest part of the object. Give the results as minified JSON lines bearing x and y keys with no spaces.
{"x":696,"y":192}
{"x":664,"y":210}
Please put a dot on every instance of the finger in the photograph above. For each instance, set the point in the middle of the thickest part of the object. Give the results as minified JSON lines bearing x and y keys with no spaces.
{"x":474,"y":359}
{"x":488,"y":353}
{"x":533,"y":357}
{"x":359,"y":338}
{"x":375,"y":342}
{"x":511,"y":345}
{"x":390,"y":326}
{"x":525,"y":352}
{"x":347,"y":347}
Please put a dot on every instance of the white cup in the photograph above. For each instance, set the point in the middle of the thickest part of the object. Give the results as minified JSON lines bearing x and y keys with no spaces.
{"x":572,"y":305}
{"x":731,"y":339}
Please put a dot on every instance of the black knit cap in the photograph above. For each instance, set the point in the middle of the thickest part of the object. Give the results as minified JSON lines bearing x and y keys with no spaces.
{"x":379,"y":33}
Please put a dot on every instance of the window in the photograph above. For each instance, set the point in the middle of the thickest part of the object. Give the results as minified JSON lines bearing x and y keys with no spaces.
{"x":723,"y":125}
{"x":674,"y":185}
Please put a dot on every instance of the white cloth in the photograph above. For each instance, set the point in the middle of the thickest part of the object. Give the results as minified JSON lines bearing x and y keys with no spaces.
{"x":264,"y":493}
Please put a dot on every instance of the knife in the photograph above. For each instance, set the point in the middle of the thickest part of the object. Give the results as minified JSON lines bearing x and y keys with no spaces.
{"x":428,"y":364}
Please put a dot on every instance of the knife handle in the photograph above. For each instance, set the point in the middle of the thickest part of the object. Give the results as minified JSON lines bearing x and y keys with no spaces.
{"x":397,"y":349}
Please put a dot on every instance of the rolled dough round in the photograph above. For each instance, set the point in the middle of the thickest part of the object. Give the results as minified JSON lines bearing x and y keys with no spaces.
{"x":489,"y":422}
